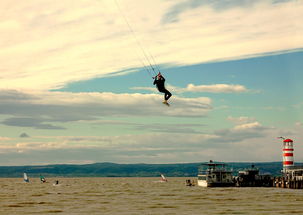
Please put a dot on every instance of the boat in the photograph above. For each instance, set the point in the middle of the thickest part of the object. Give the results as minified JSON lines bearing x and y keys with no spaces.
{"x":251,"y":177}
{"x":25,"y":178}
{"x":163,"y":179}
{"x":213,"y":174}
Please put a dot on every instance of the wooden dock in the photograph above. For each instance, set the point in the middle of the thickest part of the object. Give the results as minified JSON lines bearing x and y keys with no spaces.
{"x":289,"y":182}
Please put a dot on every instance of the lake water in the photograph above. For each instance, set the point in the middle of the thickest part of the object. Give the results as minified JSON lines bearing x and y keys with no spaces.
{"x":141,"y":196}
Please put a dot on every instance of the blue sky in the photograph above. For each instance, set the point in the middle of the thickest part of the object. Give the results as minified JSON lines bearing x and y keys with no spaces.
{"x":272,"y":81}
{"x":74,"y":88}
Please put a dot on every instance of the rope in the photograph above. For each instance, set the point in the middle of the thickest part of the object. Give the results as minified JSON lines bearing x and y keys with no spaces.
{"x":146,"y":68}
{"x":139,"y":44}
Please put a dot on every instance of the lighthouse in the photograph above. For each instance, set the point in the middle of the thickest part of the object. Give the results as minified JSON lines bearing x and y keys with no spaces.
{"x":288,"y":154}
{"x":292,"y":176}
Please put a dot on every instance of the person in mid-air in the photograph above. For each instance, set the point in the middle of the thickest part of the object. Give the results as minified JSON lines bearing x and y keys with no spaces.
{"x":159,"y":82}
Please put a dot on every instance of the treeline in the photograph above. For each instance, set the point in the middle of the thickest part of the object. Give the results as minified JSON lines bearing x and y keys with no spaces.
{"x":128,"y":170}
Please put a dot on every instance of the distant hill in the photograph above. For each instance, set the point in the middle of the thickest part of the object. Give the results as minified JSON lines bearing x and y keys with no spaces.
{"x":127,"y":170}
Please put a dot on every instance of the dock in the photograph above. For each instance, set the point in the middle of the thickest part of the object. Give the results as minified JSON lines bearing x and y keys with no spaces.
{"x":292,"y":177}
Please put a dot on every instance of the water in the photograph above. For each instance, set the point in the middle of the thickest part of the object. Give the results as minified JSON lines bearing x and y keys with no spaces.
{"x":141,"y":196}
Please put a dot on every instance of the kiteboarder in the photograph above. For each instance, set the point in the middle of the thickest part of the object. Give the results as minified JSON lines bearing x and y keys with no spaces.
{"x":159,"y":82}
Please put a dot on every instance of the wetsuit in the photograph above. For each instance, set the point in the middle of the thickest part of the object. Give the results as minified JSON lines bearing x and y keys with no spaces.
{"x":159,"y":82}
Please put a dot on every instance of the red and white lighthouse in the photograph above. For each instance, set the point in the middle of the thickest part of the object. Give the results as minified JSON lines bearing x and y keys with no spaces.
{"x":288,"y":154}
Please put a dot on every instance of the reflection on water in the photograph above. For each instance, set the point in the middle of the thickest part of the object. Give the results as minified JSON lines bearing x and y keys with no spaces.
{"x":141,"y":196}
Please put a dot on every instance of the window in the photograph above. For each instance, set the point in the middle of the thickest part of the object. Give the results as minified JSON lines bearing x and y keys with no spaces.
{"x":202,"y":177}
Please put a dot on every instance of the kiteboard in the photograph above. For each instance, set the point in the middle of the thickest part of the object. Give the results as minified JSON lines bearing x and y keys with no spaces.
{"x":166,"y":103}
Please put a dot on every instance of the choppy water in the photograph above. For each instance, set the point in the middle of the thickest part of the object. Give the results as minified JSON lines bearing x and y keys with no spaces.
{"x":141,"y":196}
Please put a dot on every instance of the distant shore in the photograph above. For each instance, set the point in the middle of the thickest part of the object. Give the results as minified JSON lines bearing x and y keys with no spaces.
{"x":127,"y":170}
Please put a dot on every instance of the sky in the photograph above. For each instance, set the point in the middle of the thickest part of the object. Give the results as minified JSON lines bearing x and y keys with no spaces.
{"x":76,"y":81}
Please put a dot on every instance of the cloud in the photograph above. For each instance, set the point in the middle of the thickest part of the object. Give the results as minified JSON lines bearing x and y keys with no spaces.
{"x":15,"y":95}
{"x":242,"y":132}
{"x":156,"y":127}
{"x":43,"y":110}
{"x":214,"y":88}
{"x":150,"y":89}
{"x":252,"y":125}
{"x":247,"y":140}
{"x":169,"y":140}
{"x":46,"y":46}
{"x":29,"y":122}
{"x":4,"y":138}
{"x":172,"y":15}
{"x":171,"y":128}
{"x":225,"y":145}
{"x":241,"y":119}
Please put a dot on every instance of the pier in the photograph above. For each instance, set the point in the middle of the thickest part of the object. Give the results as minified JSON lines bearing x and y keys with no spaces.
{"x":291,"y":178}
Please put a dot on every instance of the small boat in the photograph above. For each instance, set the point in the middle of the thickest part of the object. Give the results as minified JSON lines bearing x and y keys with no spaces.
{"x":163,"y":179}
{"x":251,"y":177}
{"x":25,"y":178}
{"x":214,"y":175}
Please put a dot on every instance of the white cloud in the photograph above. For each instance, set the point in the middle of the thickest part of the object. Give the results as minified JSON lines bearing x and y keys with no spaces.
{"x":241,"y":119}
{"x":243,"y":132}
{"x":47,"y":45}
{"x":41,"y":109}
{"x":252,"y":125}
{"x":214,"y":88}
{"x":150,"y":89}
{"x":248,"y":144}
